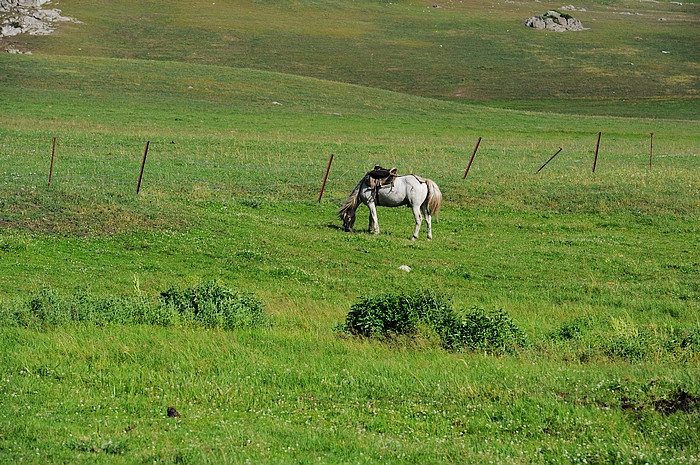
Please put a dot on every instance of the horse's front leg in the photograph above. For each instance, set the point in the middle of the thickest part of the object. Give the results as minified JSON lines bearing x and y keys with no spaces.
{"x":373,"y":223}
{"x":419,"y":218}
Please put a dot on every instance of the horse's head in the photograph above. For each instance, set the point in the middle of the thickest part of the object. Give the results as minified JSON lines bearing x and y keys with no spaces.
{"x":348,"y":218}
{"x":347,"y":210}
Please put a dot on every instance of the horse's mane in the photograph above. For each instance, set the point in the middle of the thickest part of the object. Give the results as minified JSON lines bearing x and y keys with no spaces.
{"x":352,"y":202}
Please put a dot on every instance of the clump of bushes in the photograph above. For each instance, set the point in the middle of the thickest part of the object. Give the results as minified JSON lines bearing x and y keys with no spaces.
{"x":387,"y":315}
{"x":478,"y":329}
{"x":213,"y":305}
{"x":210,"y":305}
{"x":47,"y":307}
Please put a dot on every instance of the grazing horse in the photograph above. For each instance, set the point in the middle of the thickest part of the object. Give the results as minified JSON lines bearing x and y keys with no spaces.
{"x":422,"y":195}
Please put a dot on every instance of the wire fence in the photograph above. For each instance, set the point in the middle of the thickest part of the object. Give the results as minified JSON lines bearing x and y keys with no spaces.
{"x":260,"y":169}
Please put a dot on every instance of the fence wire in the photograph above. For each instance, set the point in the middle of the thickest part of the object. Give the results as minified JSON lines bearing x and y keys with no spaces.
{"x":258,"y":169}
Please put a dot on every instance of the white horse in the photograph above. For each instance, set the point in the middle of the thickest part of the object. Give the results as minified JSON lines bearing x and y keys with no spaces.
{"x":423,"y":196}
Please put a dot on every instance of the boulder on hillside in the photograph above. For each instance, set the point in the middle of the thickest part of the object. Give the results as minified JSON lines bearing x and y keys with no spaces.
{"x":555,"y":21}
{"x":28,"y":17}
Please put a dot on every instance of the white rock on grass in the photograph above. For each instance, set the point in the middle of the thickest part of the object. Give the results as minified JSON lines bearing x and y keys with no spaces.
{"x":555,"y":21}
{"x":27,"y":17}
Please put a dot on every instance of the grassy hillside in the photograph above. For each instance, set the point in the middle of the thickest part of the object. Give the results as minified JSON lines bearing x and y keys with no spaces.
{"x":637,"y":58}
{"x":256,"y":144}
{"x":598,"y":270}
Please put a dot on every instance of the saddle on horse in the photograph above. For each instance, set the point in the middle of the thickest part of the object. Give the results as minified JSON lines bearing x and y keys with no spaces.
{"x":380,"y":177}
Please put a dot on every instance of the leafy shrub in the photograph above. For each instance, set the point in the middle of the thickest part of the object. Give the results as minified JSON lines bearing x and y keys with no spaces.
{"x":209,"y":305}
{"x":489,"y":330}
{"x":47,"y":307}
{"x":384,"y":315}
{"x":119,"y":310}
{"x":213,"y":305}
{"x":553,"y":16}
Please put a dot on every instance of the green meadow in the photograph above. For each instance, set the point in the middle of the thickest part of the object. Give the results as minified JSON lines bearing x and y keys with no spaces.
{"x":115,"y":305}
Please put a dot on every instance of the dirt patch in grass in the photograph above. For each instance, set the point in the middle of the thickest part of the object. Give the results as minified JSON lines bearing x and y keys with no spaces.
{"x":680,"y":401}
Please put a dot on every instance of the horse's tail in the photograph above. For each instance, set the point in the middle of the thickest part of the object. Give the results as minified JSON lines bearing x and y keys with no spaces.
{"x":352,"y":202}
{"x":434,"y":198}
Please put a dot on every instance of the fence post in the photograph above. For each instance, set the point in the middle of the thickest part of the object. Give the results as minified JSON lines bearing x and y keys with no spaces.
{"x":472,"y":158}
{"x":325,"y":178}
{"x":143,"y":163}
{"x":550,"y":159}
{"x":651,"y":150}
{"x":595,"y":157}
{"x":53,"y":153}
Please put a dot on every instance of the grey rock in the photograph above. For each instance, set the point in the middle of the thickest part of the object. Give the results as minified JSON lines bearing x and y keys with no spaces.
{"x":28,"y":17}
{"x":552,"y":20}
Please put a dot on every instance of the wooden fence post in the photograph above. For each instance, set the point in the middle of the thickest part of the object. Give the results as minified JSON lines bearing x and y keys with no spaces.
{"x":550,"y":159}
{"x":472,"y":158}
{"x":595,"y":158}
{"x":143,"y":163}
{"x":325,"y":178}
{"x":53,"y":153}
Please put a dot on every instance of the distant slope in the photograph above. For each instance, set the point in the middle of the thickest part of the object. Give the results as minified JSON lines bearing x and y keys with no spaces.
{"x":116,"y":95}
{"x":629,"y":63}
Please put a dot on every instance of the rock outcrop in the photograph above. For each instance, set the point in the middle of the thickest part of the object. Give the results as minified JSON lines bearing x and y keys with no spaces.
{"x":28,"y":17}
{"x":555,"y":21}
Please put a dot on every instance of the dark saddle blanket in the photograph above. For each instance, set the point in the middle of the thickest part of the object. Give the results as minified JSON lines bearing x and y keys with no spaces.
{"x":380,"y":177}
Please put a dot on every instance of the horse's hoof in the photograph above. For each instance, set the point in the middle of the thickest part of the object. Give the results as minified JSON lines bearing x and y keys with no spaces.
{"x":413,"y":238}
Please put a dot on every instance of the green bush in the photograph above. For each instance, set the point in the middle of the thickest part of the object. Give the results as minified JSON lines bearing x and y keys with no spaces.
{"x":382,"y":315}
{"x":209,"y":305}
{"x":628,"y":341}
{"x":389,"y":314}
{"x":631,"y":349}
{"x":492,"y":331}
{"x":213,"y":305}
{"x":47,"y":307}
{"x":119,"y":310}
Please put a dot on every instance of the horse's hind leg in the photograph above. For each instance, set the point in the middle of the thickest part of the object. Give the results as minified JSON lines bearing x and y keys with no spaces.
{"x":419,"y":219}
{"x":373,"y":223}
{"x":428,"y":221}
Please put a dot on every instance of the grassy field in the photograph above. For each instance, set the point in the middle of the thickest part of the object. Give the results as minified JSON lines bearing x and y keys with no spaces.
{"x":599,"y":270}
{"x":636,"y":59}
